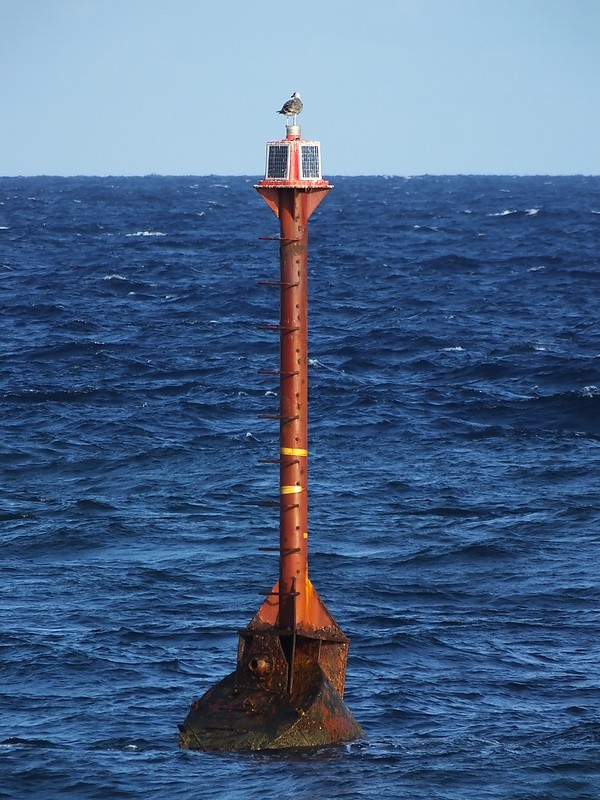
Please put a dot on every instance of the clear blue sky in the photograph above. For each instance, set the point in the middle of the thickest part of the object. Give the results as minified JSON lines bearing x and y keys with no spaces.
{"x":399,"y":87}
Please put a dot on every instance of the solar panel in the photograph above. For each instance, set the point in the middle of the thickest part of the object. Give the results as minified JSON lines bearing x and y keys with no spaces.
{"x":311,"y":166}
{"x":277,"y":161}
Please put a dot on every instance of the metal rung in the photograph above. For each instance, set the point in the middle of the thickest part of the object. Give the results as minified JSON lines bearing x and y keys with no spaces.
{"x":283,"y":373}
{"x":275,"y":504}
{"x":281,"y":594}
{"x":276,"y":239}
{"x":277,"y":328}
{"x":287,"y":551}
{"x":279,"y":283}
{"x":279,"y":461}
{"x":278,"y":416}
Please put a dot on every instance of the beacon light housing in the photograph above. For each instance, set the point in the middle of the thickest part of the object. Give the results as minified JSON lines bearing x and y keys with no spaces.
{"x":293,"y":162}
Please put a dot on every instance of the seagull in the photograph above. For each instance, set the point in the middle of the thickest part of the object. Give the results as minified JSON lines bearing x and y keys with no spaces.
{"x":292,"y":107}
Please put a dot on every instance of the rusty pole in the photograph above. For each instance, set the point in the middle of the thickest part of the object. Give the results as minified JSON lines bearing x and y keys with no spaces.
{"x":293,"y":390}
{"x":299,"y":608}
{"x":287,"y":689}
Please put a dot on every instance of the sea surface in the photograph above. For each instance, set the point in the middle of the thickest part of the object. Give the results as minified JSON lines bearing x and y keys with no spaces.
{"x":454,"y":481}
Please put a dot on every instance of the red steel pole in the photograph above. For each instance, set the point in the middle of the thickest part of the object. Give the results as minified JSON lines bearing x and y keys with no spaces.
{"x":298,"y":606}
{"x":293,"y":386}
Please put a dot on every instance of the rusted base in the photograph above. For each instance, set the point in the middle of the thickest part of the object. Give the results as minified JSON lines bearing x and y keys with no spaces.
{"x":230,"y":717}
{"x":272,"y":701}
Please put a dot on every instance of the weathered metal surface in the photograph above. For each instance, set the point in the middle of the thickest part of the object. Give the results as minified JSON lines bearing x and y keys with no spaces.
{"x":270,"y":704}
{"x":293,"y":409}
{"x":288,"y":686}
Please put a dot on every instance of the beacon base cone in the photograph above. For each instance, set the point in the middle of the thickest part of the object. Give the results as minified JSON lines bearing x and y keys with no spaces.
{"x":253,"y":709}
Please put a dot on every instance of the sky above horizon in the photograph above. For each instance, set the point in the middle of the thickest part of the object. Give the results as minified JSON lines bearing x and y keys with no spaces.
{"x":395,"y":87}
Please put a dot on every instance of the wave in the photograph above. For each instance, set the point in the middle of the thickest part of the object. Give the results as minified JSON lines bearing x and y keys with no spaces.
{"x":20,"y":741}
{"x":454,"y":422}
{"x":145,"y":233}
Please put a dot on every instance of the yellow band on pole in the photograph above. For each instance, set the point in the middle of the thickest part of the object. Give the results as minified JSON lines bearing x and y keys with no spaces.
{"x":290,"y":489}
{"x":293,"y":451}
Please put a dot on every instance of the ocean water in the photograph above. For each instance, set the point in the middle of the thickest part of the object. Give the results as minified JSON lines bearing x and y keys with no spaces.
{"x":454,"y":493}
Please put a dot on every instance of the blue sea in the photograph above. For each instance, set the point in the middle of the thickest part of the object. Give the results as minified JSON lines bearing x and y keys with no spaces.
{"x":454,"y":481}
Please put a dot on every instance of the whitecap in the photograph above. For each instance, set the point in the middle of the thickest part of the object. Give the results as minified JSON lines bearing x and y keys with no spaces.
{"x":504,"y":213}
{"x":453,"y":349}
{"x":146,"y":233}
{"x":531,"y":212}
